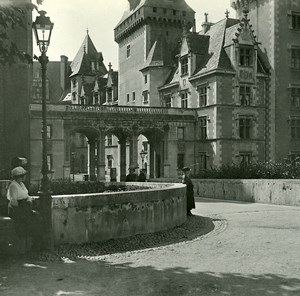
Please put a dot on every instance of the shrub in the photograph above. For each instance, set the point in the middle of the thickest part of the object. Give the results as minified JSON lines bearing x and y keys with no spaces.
{"x":64,"y":186}
{"x":257,"y":170}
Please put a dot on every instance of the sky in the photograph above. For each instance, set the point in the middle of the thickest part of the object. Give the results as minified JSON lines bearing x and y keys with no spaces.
{"x":72,"y":18}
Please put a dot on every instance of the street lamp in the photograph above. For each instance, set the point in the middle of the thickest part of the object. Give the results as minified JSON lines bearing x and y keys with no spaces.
{"x":73,"y":164}
{"x":42,"y":28}
{"x":143,"y":154}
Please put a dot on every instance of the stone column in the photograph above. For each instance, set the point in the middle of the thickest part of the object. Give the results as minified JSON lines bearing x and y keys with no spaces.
{"x":152,"y":161}
{"x":101,"y":156}
{"x":166,"y":163}
{"x":133,"y":151}
{"x":122,"y":143}
{"x":92,"y":147}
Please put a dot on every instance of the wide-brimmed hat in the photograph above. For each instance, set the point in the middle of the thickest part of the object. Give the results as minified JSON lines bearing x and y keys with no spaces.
{"x":18,"y":171}
{"x":186,"y":169}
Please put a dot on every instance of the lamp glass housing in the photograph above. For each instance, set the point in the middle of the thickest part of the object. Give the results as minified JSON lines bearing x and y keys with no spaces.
{"x":42,"y":28}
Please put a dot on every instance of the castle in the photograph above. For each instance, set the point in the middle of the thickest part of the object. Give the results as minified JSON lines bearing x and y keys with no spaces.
{"x":235,"y":82}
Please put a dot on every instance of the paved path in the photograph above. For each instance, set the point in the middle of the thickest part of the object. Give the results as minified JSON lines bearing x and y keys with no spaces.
{"x":254,"y":250}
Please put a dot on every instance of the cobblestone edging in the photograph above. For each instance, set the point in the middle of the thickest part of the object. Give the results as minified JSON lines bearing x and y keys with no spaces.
{"x":194,"y":229}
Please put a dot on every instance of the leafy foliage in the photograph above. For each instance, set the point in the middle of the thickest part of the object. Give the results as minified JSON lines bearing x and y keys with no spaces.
{"x":64,"y":186}
{"x":257,"y":170}
{"x":11,"y":17}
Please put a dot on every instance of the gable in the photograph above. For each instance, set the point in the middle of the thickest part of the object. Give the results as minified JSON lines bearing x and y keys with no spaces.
{"x":184,"y":47}
{"x":245,"y":36}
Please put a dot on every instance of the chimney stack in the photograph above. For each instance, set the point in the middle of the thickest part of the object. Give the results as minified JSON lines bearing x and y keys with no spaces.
{"x":206,"y":25}
{"x":63,"y":71}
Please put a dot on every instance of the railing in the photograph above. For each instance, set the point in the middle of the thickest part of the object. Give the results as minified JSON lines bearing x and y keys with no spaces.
{"x":114,"y":109}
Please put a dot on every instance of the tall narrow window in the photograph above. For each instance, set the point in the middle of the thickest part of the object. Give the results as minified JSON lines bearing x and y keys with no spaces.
{"x":128,"y":98}
{"x":245,"y":57}
{"x":245,"y":95}
{"x":244,"y":128}
{"x":184,"y":65}
{"x":203,"y":128}
{"x":133,"y":96}
{"x":295,"y":96}
{"x":109,"y":95}
{"x":128,"y":51}
{"x":145,"y":97}
{"x":146,"y":78}
{"x":109,"y":140}
{"x":184,"y":100}
{"x":295,"y":128}
{"x":49,"y":131}
{"x":96,"y":98}
{"x":109,"y":161}
{"x":50,"y":162}
{"x":202,"y":92}
{"x":202,"y":161}
{"x":168,"y":101}
{"x":180,"y":133}
{"x":154,"y":9}
{"x":295,"y":21}
{"x":295,"y":58}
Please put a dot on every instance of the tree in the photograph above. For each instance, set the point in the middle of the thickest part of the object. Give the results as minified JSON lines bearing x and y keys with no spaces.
{"x":11,"y":17}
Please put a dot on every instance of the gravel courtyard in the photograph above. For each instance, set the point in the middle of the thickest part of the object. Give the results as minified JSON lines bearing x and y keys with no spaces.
{"x":227,"y":248}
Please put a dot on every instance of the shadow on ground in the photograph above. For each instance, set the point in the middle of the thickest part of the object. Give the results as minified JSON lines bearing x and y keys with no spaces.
{"x":103,"y":278}
{"x":195,"y":226}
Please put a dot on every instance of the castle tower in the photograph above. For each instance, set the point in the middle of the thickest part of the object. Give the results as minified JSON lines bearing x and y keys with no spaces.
{"x":277,"y":25}
{"x":139,"y":34}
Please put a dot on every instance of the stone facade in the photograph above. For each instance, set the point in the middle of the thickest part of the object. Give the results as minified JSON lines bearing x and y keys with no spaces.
{"x":277,"y":26}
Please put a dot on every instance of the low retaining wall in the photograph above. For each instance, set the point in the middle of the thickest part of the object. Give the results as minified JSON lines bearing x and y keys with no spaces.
{"x":273,"y":191}
{"x":102,"y":216}
{"x":280,"y":192}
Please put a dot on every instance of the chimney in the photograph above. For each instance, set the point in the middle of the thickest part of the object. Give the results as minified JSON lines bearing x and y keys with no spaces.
{"x":63,"y":71}
{"x":194,"y":29}
{"x":206,"y":25}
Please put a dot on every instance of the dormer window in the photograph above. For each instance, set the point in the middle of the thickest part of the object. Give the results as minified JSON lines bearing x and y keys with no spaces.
{"x":94,"y":66}
{"x":246,"y":59}
{"x":96,"y":99}
{"x":74,"y":82}
{"x":184,"y":65}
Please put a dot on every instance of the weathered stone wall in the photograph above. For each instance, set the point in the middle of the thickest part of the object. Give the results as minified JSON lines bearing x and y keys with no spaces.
{"x":99,"y":217}
{"x":279,"y":192}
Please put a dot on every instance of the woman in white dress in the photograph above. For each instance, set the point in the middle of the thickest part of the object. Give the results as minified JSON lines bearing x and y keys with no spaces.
{"x":28,"y":222}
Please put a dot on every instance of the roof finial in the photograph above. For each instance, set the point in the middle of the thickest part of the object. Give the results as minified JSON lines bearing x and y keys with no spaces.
{"x":87,"y":30}
{"x":206,"y":17}
{"x":245,"y":12}
{"x":227,"y":13}
{"x":109,"y":66}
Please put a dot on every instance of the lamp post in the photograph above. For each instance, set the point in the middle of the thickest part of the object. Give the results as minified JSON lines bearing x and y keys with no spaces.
{"x":143,"y":154}
{"x":73,"y":164}
{"x":42,"y":28}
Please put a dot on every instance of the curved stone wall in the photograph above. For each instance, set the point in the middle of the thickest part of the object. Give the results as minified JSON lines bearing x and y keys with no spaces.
{"x":98,"y":217}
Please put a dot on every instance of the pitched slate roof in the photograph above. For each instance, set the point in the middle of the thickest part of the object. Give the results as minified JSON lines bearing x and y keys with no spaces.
{"x":159,"y":54}
{"x":86,"y":53}
{"x":216,"y":57}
